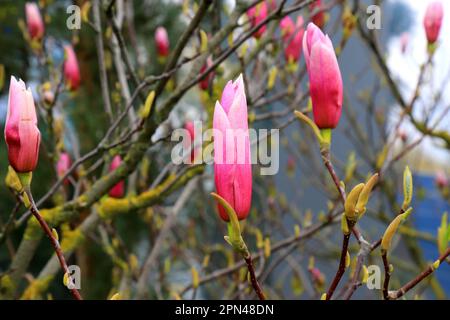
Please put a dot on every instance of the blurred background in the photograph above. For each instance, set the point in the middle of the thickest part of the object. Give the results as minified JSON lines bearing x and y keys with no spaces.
{"x":300,"y":194}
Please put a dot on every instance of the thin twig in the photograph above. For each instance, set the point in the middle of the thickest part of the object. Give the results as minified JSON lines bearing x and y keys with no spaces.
{"x":54,"y":241}
{"x":253,"y":280}
{"x":341,"y":270}
{"x":387,"y":274}
{"x":101,"y":60}
{"x":411,"y":284}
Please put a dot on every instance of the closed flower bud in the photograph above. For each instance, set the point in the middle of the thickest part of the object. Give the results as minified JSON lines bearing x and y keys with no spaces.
{"x":403,"y":135}
{"x":292,"y":38}
{"x":162,"y":42}
{"x":232,"y":159}
{"x":287,"y":26}
{"x":404,"y":41}
{"x":291,"y":164}
{"x":21,"y":132}
{"x":204,"y":83}
{"x":325,"y":79}
{"x":118,"y":191}
{"x":319,"y":14}
{"x":317,"y":277}
{"x":194,"y":149}
{"x":441,"y":179}
{"x":63,"y":165}
{"x":433,"y":21}
{"x":256,"y":15}
{"x":272,"y":4}
{"x":49,"y":97}
{"x":35,"y":25}
{"x":71,"y":69}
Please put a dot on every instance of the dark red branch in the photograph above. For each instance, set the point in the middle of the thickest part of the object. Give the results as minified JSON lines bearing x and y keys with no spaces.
{"x":54,"y":241}
{"x":411,"y":284}
{"x":387,"y":275}
{"x":253,"y":280}
{"x":341,"y":270}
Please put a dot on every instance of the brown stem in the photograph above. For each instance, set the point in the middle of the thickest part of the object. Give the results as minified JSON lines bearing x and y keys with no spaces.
{"x":341,"y":269}
{"x":325,"y":152}
{"x":254,"y":281}
{"x":411,"y":284}
{"x":387,"y":275}
{"x":34,"y":210}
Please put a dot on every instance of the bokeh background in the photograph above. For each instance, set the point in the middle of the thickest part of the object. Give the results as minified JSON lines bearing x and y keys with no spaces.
{"x":298,"y":194}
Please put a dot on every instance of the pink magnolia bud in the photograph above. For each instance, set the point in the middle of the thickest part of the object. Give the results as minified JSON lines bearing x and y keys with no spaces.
{"x":256,"y":15}
{"x":441,"y":179}
{"x":287,"y":27}
{"x":292,"y":37}
{"x":319,"y":17}
{"x":291,"y":163}
{"x":21,"y":132}
{"x":325,"y":79}
{"x":232,"y":159}
{"x":272,"y":4}
{"x":189,"y":126}
{"x":63,"y":165}
{"x":162,"y":42}
{"x":205,"y":82}
{"x":71,"y":69}
{"x":404,"y":41}
{"x":49,"y":96}
{"x":35,"y":24}
{"x":403,"y":135}
{"x":118,"y":191}
{"x":317,"y":276}
{"x":432,"y":21}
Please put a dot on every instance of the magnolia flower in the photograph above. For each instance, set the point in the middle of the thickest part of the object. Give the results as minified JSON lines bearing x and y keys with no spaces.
{"x":71,"y":70}
{"x":63,"y":165}
{"x":272,"y":4}
{"x":433,"y":21}
{"x":232,"y":159}
{"x":256,"y":15}
{"x":319,"y":17}
{"x":162,"y":42}
{"x":190,"y":127}
{"x":404,"y":41}
{"x":35,"y":25}
{"x":21,"y":132}
{"x":118,"y":191}
{"x":204,"y":83}
{"x":317,"y":276}
{"x":325,"y":79}
{"x":441,"y":179}
{"x":292,"y":37}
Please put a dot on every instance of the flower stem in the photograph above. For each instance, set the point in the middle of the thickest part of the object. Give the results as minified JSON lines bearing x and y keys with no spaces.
{"x":341,"y":269}
{"x":387,"y":274}
{"x":253,"y":280}
{"x":411,"y":284}
{"x":55,"y":243}
{"x":325,"y":152}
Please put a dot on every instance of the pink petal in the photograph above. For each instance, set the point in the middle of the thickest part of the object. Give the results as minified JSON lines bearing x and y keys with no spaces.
{"x":287,"y":26}
{"x":227,"y":96}
{"x":224,"y":156}
{"x":325,"y":86}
